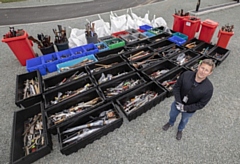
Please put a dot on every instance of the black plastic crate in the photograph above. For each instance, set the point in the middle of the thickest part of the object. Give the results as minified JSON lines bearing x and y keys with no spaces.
{"x":137,"y":45}
{"x":71,"y":109}
{"x":193,"y":43}
{"x":132,"y":113}
{"x":105,"y":64}
{"x":17,"y":152}
{"x":22,"y":100}
{"x":110,"y":53}
{"x":72,"y":89}
{"x":159,"y":37}
{"x":115,"y":71}
{"x":161,"y":46}
{"x":184,"y":57}
{"x":82,"y":141}
{"x":64,"y":78}
{"x":219,"y":53}
{"x":169,"y":81}
{"x":194,"y":64}
{"x":159,"y":70}
{"x":129,"y":38}
{"x":171,"y":51}
{"x":137,"y":54}
{"x":204,"y":49}
{"x":147,"y":61}
{"x":140,"y":36}
{"x":114,"y":83}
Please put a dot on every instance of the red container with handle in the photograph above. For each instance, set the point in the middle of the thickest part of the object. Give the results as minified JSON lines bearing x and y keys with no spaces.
{"x":207,"y":30}
{"x":224,"y":38}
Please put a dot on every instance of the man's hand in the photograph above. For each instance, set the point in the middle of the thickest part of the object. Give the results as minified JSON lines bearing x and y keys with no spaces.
{"x":180,"y":107}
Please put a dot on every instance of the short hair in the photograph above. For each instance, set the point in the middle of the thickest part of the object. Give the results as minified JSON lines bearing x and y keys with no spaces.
{"x":209,"y":62}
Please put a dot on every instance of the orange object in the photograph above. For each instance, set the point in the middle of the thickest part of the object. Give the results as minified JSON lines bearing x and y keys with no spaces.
{"x":207,"y":30}
{"x":223,"y":38}
{"x":21,"y":47}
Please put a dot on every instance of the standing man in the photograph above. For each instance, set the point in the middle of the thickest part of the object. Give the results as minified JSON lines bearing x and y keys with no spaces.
{"x":192,"y":92}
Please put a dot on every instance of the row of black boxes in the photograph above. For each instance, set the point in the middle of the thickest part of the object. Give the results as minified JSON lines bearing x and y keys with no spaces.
{"x":85,"y":103}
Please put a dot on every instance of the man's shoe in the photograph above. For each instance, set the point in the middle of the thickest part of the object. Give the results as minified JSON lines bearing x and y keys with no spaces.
{"x":179,"y":135}
{"x":166,"y":126}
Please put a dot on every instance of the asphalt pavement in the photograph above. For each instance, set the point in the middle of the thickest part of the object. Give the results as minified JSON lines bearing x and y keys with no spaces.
{"x":211,"y":137}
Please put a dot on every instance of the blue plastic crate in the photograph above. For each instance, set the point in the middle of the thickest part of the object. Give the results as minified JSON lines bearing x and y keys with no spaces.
{"x":102,"y":46}
{"x":78,"y":52}
{"x":148,"y":34}
{"x":177,"y":40}
{"x":68,"y":64}
{"x":145,"y":27}
{"x":36,"y":64}
{"x":90,"y":49}
{"x":50,"y":62}
{"x":181,"y":35}
{"x":64,"y":56}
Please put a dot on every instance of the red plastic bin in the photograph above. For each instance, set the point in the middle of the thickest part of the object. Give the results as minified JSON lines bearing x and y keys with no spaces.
{"x":223,"y":38}
{"x":207,"y":30}
{"x":178,"y":23}
{"x":21,"y":47}
{"x":191,"y":26}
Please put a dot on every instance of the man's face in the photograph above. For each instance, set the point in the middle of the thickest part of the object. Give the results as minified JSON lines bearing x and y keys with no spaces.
{"x":204,"y":70}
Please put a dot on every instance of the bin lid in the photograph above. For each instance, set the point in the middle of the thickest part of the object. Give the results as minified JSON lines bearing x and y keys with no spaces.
{"x":210,"y":23}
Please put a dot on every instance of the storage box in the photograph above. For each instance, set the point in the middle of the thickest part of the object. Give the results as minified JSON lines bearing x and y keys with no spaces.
{"x":194,"y":64}
{"x":114,"y":71}
{"x":101,"y":39}
{"x":90,"y":48}
{"x":146,"y":61}
{"x":159,"y":70}
{"x":129,"y":38}
{"x":204,"y":49}
{"x":20,"y":101}
{"x":76,"y":63}
{"x":64,"y":78}
{"x":156,"y":30}
{"x":137,"y":45}
{"x":140,"y":36}
{"x":171,"y":51}
{"x":17,"y":155}
{"x":92,"y":95}
{"x":193,"y":43}
{"x":110,"y":53}
{"x":78,"y":52}
{"x":159,"y":37}
{"x":160,"y":46}
{"x":137,"y":54}
{"x":178,"y":58}
{"x":129,"y":97}
{"x":168,"y":81}
{"x":114,"y":83}
{"x":177,"y":40}
{"x":148,"y":34}
{"x":35,"y":64}
{"x":74,"y":89}
{"x":102,"y":47}
{"x":145,"y":27}
{"x":64,"y":55}
{"x":105,"y":64}
{"x":50,"y":61}
{"x":81,"y":142}
{"x":219,"y":53}
{"x":132,"y":31}
{"x":118,"y":34}
{"x":115,"y":43}
{"x":181,"y":35}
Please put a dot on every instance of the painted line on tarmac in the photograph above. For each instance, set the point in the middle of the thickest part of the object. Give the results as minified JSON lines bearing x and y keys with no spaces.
{"x":71,"y":19}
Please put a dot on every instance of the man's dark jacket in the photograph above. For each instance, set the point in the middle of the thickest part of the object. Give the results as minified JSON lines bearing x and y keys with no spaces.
{"x":198,"y":96}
